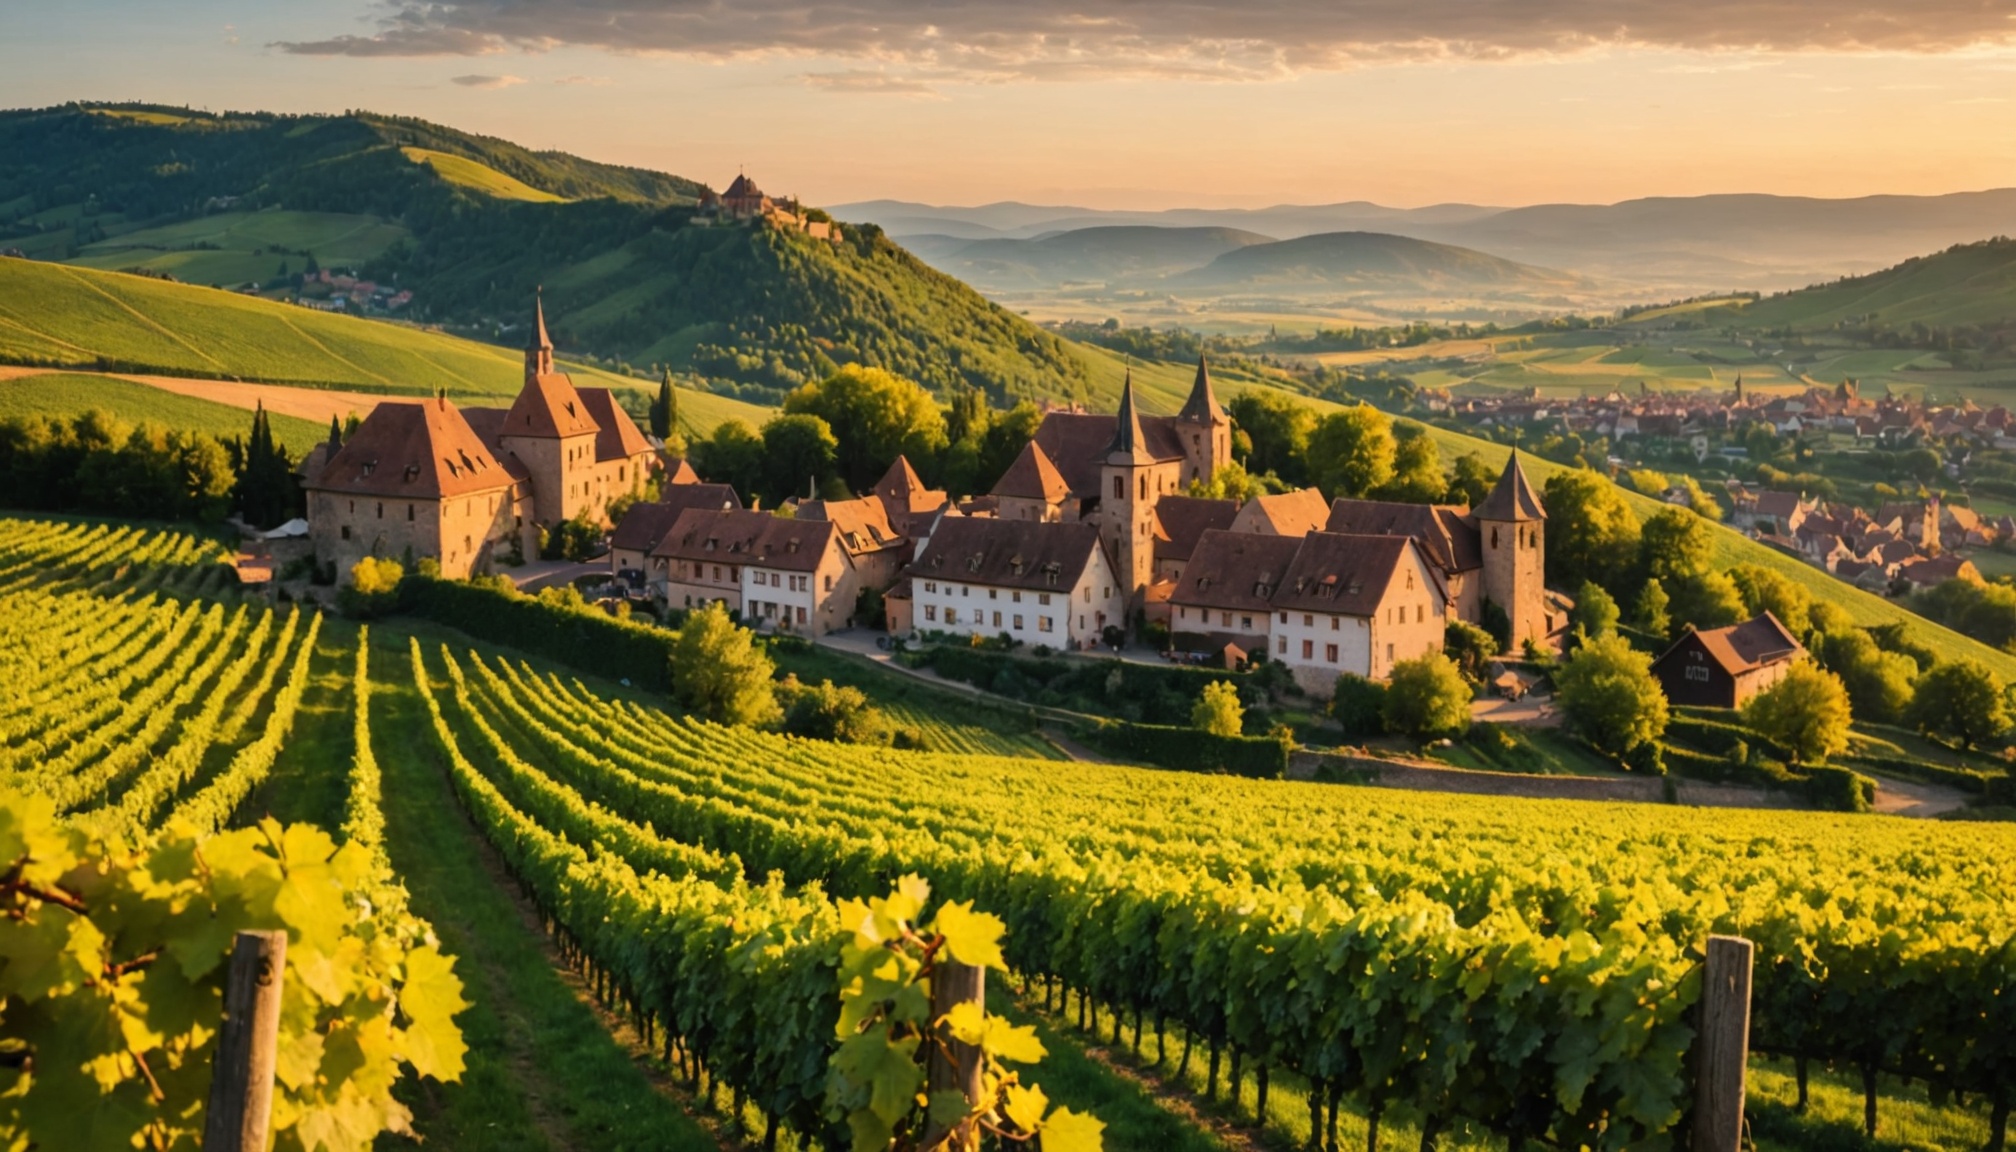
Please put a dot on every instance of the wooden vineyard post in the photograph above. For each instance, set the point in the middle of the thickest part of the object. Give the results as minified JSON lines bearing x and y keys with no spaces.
{"x":241,"y":1074}
{"x":1722,"y":1049}
{"x":953,"y":1066}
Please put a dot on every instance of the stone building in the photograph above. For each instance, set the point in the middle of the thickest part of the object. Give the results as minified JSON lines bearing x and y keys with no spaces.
{"x":1117,"y":469}
{"x":1041,"y":583}
{"x":791,"y":575}
{"x":560,"y":451}
{"x":1723,"y":667}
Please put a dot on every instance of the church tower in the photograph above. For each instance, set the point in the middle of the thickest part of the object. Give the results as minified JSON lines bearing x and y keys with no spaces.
{"x":1205,"y":428}
{"x":1511,"y":526}
{"x":551,"y":432}
{"x":538,"y":349}
{"x":1127,"y":497}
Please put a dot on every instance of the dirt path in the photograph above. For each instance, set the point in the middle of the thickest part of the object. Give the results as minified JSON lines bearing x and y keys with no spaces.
{"x":1895,"y":797}
{"x":317,"y":404}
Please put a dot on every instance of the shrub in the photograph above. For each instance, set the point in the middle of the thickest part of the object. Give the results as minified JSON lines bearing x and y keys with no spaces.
{"x":827,"y":711}
{"x":1359,"y":705}
{"x":1963,"y":700}
{"x":1217,"y":710}
{"x":1427,"y":698}
{"x":373,"y":590}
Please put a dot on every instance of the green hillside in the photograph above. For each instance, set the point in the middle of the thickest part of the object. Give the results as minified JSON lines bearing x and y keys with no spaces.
{"x":57,"y":316}
{"x":64,"y":395}
{"x":1370,"y":259}
{"x":1966,"y":285}
{"x":471,"y":225}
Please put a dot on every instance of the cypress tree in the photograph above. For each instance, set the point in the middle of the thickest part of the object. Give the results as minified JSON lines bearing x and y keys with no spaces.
{"x":335,"y":434}
{"x":665,"y":409}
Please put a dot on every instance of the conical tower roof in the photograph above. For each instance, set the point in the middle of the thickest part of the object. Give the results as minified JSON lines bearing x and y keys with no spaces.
{"x":1128,"y":446}
{"x":1513,"y":499}
{"x":1203,"y":404}
{"x":539,"y":341}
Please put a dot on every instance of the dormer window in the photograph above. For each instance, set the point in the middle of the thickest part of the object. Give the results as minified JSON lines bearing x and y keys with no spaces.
{"x":973,"y":562}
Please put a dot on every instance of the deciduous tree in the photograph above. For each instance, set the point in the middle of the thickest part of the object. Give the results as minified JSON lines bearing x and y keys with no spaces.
{"x":1607,"y":691}
{"x":1427,"y":698}
{"x":1218,"y":710}
{"x":1351,"y":452}
{"x":1961,"y":700}
{"x":1592,"y":533}
{"x":719,"y":673}
{"x":1806,"y":713}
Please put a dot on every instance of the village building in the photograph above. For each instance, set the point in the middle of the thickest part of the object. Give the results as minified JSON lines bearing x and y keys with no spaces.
{"x":1118,"y":468}
{"x":415,"y":481}
{"x":1180,"y":523}
{"x":1492,"y":554}
{"x":1723,"y":667}
{"x":1296,"y":513}
{"x":644,"y":526}
{"x":908,"y":505}
{"x":1322,"y":604}
{"x":1039,"y":583}
{"x":744,"y":202}
{"x":786,"y":574}
{"x":563,"y":452}
{"x":1225,"y":593}
{"x":874,"y":546}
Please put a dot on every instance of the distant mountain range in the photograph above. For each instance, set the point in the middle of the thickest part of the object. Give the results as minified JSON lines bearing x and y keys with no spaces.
{"x":1966,"y":286}
{"x":1662,"y":244}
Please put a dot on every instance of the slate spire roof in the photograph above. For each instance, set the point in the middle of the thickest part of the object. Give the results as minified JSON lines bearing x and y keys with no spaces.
{"x":539,"y":341}
{"x":1129,"y":444}
{"x":1513,"y":499}
{"x":1203,"y":404}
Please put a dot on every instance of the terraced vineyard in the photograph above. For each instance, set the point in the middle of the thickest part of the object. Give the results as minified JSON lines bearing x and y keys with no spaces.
{"x":1495,"y":971}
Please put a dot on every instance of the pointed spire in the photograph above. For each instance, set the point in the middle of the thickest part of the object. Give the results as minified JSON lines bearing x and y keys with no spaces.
{"x":1513,"y":498}
{"x":539,"y":338}
{"x":335,"y":434}
{"x":1129,"y":445}
{"x":1203,"y":404}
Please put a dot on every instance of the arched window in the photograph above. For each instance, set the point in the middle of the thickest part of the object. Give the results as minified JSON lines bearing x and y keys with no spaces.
{"x":1119,"y":488}
{"x":1494,"y":537}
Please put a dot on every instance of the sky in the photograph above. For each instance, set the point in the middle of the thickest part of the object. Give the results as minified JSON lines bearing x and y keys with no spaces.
{"x":1114,"y":103}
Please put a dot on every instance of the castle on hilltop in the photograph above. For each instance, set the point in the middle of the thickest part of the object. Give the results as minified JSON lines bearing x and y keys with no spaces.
{"x":430,"y":479}
{"x":745,"y":203}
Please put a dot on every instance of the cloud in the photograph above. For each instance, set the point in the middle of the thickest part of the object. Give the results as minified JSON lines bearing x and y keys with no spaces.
{"x":585,"y":81}
{"x":984,"y":40}
{"x":875,"y":83}
{"x":486,"y":81}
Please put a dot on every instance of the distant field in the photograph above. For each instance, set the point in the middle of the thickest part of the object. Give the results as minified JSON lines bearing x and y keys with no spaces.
{"x":65,"y":395}
{"x":237,"y":247}
{"x":479,"y":177}
{"x":70,"y":317}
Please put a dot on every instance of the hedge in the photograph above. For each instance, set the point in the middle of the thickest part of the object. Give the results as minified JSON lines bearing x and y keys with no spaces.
{"x":1931,"y":773}
{"x":1189,"y":750}
{"x":591,"y":641}
{"x":1827,"y":786}
{"x":1145,"y":693}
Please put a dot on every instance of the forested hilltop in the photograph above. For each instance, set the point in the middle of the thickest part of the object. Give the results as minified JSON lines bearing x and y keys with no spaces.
{"x":470,"y":226}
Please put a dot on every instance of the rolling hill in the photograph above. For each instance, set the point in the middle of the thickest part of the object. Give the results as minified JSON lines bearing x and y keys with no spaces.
{"x":1369,"y":261}
{"x":1101,"y":255}
{"x":472,"y":225}
{"x":56,"y":316}
{"x":1969,"y":285}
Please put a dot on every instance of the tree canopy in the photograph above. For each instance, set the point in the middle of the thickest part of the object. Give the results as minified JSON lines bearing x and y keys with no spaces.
{"x":1427,"y":698}
{"x":1806,"y":713}
{"x":1592,"y":533}
{"x":875,"y":416}
{"x":1351,"y":453}
{"x":1607,"y":691}
{"x":719,"y":673}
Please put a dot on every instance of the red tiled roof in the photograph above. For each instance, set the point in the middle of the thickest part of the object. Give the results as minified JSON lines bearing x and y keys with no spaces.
{"x":1345,"y":575}
{"x":1180,"y":521}
{"x":1032,"y":477}
{"x":746,"y":537}
{"x":1008,"y":553}
{"x":1235,"y":571}
{"x":414,"y":451}
{"x":1447,"y":534}
{"x":1747,"y":646}
{"x":548,"y":406}
{"x":617,"y":436}
{"x":645,"y":525}
{"x":1296,"y":513}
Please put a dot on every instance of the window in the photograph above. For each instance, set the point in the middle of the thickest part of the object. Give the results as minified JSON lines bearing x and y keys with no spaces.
{"x":997,"y":619}
{"x":409,"y":512}
{"x":1043,"y":623}
{"x":1494,"y":537}
{"x":381,"y":511}
{"x":930,"y":612}
{"x":1308,"y":649}
{"x":346,"y":531}
{"x":1698,"y":672}
{"x":1308,"y":620}
{"x":717,"y":571}
{"x":1246,"y":623}
{"x":829,"y":582}
{"x":1088,"y":594}
{"x":1018,"y":623}
{"x":1284,"y":617}
{"x":1420,"y":613}
{"x":1330,"y":653}
{"x":801,"y":614}
{"x":1119,"y":488}
{"x":1410,"y":581}
{"x":1043,"y":598}
{"x":951,"y":615}
{"x":1281,"y":645}
{"x":1389,"y":653}
{"x":353,"y":507}
{"x":1017,"y":597}
{"x":1144,"y":487}
{"x":931,"y":586}
{"x":1336,"y":622}
{"x":993,"y":594}
{"x":1225,"y":619}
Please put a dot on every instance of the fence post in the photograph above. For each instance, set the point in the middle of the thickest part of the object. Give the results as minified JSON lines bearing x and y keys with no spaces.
{"x":241,"y":1073}
{"x":1722,"y":1050}
{"x":953,"y":1066}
